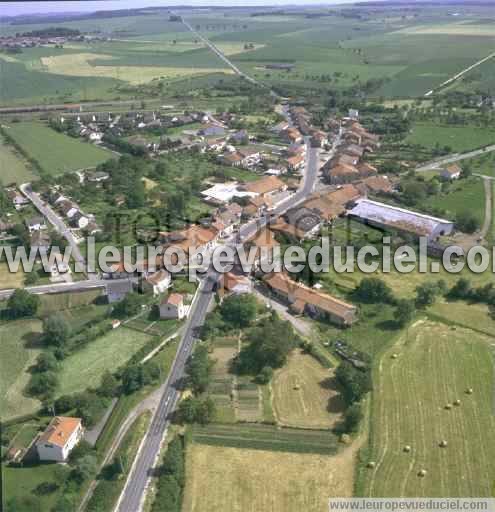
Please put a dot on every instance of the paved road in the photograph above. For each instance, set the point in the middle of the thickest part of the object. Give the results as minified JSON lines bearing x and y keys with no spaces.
{"x":132,"y":497}
{"x":58,"y":224}
{"x":461,"y":73}
{"x":457,"y":157}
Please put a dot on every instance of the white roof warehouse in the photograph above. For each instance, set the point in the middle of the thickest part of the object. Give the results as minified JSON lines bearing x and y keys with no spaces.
{"x":392,"y":217}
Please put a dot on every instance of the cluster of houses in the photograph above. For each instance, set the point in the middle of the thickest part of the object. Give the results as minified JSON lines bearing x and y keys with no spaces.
{"x":347,"y":165}
{"x":68,"y":209}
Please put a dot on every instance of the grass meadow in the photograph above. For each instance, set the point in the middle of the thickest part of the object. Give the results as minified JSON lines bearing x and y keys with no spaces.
{"x":86,"y":366}
{"x":435,"y":365}
{"x":19,"y":349}
{"x":305,"y":394}
{"x":56,"y":152}
{"x":13,"y":167}
{"x":459,"y":138}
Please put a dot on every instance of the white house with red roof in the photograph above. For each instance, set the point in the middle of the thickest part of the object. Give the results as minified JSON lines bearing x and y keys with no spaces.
{"x":59,"y":438}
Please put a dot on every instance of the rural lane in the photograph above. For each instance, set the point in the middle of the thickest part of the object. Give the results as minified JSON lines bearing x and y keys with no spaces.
{"x":456,"y":157}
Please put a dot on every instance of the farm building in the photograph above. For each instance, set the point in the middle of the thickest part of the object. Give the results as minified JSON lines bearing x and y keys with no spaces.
{"x":59,"y":438}
{"x":304,"y":300}
{"x":399,"y":219}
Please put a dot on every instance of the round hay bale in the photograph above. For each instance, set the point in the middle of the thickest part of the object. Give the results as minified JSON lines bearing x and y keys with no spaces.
{"x":443,"y":444}
{"x":457,"y":402}
{"x":297,"y":387}
{"x":448,"y":407}
{"x":469,"y":391}
{"x":422,"y":473}
{"x":345,"y":439}
{"x":394,"y":356}
{"x":406,"y":448}
{"x":370,"y":465}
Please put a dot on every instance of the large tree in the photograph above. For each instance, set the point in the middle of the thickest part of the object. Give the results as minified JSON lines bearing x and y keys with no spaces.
{"x":21,"y":303}
{"x":56,"y":330}
{"x":239,"y":310}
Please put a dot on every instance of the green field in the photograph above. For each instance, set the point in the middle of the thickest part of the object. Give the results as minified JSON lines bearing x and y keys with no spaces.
{"x":86,"y":366}
{"x":463,"y":196}
{"x":56,"y":153}
{"x":13,"y":167}
{"x":19,"y":349}
{"x":459,"y":138}
{"x":434,"y":367}
{"x":265,"y":437}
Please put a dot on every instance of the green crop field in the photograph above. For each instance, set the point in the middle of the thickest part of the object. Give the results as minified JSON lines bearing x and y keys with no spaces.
{"x":13,"y":167}
{"x":86,"y":366}
{"x":56,"y":152}
{"x":265,"y":437}
{"x":18,"y":351}
{"x":459,"y":138}
{"x":435,"y":365}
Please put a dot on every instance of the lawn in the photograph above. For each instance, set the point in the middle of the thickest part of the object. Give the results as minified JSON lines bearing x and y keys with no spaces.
{"x":10,"y":279}
{"x":305,"y":394}
{"x":459,"y":138}
{"x":18,"y":350}
{"x":13,"y":167}
{"x":434,"y":367}
{"x":86,"y":366}
{"x":220,"y":479}
{"x":22,"y":481}
{"x":56,"y":152}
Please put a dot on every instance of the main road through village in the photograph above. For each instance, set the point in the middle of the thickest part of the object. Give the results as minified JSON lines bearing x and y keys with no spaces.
{"x":132,"y":497}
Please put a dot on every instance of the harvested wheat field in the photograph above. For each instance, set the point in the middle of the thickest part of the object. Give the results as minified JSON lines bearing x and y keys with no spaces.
{"x":432,"y":410}
{"x":305,"y":394}
{"x":221,"y":479}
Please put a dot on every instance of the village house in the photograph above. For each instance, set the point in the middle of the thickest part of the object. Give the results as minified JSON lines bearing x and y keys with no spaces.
{"x":230,"y":283}
{"x":292,"y":135}
{"x":294,"y":163}
{"x":341,"y":173}
{"x":267,"y":186}
{"x":265,"y":244}
{"x":451,"y":172}
{"x":173,"y":307}
{"x":116,"y":290}
{"x":18,"y":200}
{"x":304,"y":300}
{"x":375,"y":185}
{"x":35,"y":224}
{"x":159,"y":281}
{"x":307,"y":221}
{"x":79,"y":220}
{"x":212,"y":130}
{"x":59,"y":438}
{"x":331,"y":205}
